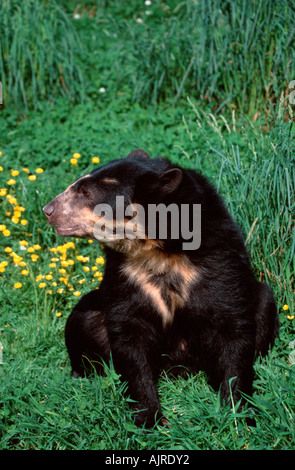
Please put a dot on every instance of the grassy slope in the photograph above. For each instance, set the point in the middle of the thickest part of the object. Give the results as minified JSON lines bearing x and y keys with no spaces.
{"x":41,"y":407}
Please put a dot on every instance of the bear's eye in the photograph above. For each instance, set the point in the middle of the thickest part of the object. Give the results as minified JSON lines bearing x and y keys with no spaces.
{"x":85,"y":193}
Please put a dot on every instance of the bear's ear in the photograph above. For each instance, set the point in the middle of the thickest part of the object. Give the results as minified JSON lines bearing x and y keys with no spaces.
{"x":170,"y":180}
{"x":138,"y":154}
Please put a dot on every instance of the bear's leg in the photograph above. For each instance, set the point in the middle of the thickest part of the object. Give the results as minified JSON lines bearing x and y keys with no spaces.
{"x":86,"y":341}
{"x":266,"y":319}
{"x":234,"y":371}
{"x":136,"y":357}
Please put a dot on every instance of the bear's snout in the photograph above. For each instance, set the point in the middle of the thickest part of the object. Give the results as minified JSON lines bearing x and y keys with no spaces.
{"x":48,"y":209}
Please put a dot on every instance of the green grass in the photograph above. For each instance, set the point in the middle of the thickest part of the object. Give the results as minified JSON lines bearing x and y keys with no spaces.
{"x":251,"y":163}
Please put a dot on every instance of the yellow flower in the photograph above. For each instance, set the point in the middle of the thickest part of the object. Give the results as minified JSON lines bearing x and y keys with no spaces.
{"x":24,"y":222}
{"x":17,"y":214}
{"x":1,"y":154}
{"x":82,"y":281}
{"x":73,"y":161}
{"x":11,"y":181}
{"x":1,"y":168}
{"x":24,"y":272}
{"x":62,"y":271}
{"x":18,"y":285}
{"x":26,"y":170}
{"x":48,"y":277}
{"x":39,"y":170}
{"x":58,"y":314}
{"x":22,"y":263}
{"x":54,"y":284}
{"x":37,"y":247}
{"x":86,"y":268}
{"x":77,"y":293}
{"x":100,"y":260}
{"x":60,"y":291}
{"x":32,"y":177}
{"x":90,"y":241}
{"x":3,"y":263}
{"x":94,"y":268}
{"x":16,"y":258}
{"x":64,"y":263}
{"x":8,"y":249}
{"x":14,"y":172}
{"x":286,"y":307}
{"x":290,"y":317}
{"x":14,"y":219}
{"x":2,"y":269}
{"x":42,"y":284}
{"x":11,"y":199}
{"x":31,"y":249}
{"x":3,"y":192}
{"x":95,"y":160}
{"x":34,"y":258}
{"x":76,"y":155}
{"x":6,"y":233}
{"x":2,"y":227}
{"x":52,"y":265}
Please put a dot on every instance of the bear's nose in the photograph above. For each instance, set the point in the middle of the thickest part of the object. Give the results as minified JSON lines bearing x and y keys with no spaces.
{"x":48,"y":209}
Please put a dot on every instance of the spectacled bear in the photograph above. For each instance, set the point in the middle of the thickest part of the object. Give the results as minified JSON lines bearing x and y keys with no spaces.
{"x":162,"y":305}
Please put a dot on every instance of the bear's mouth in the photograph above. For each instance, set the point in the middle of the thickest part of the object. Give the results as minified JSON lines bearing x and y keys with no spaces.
{"x":63,"y":231}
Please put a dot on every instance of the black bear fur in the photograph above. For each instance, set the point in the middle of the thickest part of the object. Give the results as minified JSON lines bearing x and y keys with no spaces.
{"x":159,"y":306}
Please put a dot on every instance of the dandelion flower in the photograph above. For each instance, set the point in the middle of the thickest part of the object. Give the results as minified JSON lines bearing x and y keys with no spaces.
{"x":2,"y":227}
{"x":286,"y":307}
{"x":11,"y":181}
{"x":42,"y":284}
{"x":86,"y":268}
{"x":32,"y":177}
{"x":77,"y":293}
{"x":8,"y":249}
{"x":37,"y":247}
{"x":14,"y":172}
{"x":24,"y":272}
{"x":52,"y":265}
{"x":48,"y":277}
{"x":6,"y":232}
{"x":34,"y":258}
{"x":18,"y":285}
{"x":73,"y":161}
{"x":76,"y":155}
{"x":39,"y":170}
{"x":58,"y":314}
{"x":95,"y":160}
{"x":290,"y":317}
{"x":3,"y":192}
{"x":26,"y":170}
{"x":23,"y":222}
